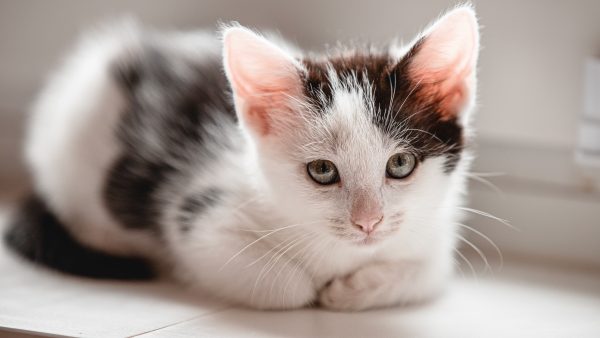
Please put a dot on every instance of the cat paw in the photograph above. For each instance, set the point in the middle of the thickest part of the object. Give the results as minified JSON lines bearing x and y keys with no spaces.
{"x":381,"y":285}
{"x":358,"y":291}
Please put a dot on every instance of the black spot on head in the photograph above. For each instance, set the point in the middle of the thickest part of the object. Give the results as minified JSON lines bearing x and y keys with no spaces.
{"x":370,"y":68}
{"x":415,"y":116}
{"x":196,"y":204}
{"x":451,"y":162}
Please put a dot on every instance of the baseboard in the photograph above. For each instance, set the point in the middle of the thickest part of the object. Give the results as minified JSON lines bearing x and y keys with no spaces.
{"x":554,"y":204}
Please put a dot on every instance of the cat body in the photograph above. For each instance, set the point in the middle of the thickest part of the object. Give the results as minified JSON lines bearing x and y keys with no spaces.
{"x":282,"y":181}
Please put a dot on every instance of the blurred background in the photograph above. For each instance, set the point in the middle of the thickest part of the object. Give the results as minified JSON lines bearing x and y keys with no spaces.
{"x":530,"y":118}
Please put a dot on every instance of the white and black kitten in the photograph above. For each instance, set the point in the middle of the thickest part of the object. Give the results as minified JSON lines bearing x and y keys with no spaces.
{"x":250,"y":171}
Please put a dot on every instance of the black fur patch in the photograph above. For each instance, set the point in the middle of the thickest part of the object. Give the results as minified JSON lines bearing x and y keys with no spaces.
{"x":194,"y":205}
{"x":430,"y":133}
{"x":131,"y":191}
{"x":38,"y":235}
{"x":170,"y":100}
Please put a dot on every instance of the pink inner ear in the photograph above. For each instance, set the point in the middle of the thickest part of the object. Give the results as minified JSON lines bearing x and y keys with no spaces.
{"x":263,"y":77}
{"x":445,"y":63}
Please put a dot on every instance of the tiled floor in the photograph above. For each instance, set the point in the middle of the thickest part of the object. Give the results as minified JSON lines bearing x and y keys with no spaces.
{"x":520,"y":301}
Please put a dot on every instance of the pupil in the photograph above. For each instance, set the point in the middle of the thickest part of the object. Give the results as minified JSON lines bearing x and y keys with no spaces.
{"x":324,"y":168}
{"x":400,"y":161}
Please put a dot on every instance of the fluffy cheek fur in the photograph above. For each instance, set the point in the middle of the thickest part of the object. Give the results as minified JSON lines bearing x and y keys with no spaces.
{"x":428,"y":206}
{"x":286,"y":183}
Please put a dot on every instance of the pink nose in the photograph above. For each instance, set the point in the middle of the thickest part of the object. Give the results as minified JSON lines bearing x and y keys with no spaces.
{"x":367,"y":225}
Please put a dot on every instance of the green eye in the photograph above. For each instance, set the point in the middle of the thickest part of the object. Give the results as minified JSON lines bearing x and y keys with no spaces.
{"x":323,"y":172}
{"x":401,"y":165}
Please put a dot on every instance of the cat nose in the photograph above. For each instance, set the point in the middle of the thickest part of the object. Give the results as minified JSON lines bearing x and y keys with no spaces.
{"x":367,"y":225}
{"x":366,"y":211}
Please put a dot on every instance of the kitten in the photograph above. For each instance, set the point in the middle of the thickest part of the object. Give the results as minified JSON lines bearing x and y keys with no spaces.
{"x":284,"y":181}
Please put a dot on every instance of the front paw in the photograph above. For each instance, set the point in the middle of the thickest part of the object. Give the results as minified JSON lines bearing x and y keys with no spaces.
{"x":380,"y":285}
{"x":358,"y":291}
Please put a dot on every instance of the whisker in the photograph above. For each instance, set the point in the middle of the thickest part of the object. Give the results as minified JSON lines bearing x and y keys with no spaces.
{"x":296,"y":267}
{"x":457,"y":265}
{"x":479,"y":252}
{"x":261,"y":238}
{"x":425,"y":132}
{"x":467,"y":261}
{"x":489,"y":240}
{"x":490,"y":216}
{"x":286,"y":263}
{"x":245,"y":203}
{"x":409,"y":94}
{"x":486,"y":183}
{"x":262,"y":273}
{"x":268,"y":252}
{"x":489,"y":174}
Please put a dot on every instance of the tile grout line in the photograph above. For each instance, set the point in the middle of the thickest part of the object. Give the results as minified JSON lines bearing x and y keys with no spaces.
{"x":181,"y":321}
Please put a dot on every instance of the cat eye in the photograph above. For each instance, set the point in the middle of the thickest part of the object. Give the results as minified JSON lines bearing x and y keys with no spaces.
{"x":401,"y":165}
{"x":323,"y":172}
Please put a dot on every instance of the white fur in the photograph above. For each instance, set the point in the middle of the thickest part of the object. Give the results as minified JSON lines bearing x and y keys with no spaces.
{"x":270,"y":244}
{"x":71,"y":144}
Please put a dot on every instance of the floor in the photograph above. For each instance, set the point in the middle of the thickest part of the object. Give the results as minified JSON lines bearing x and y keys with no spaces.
{"x":520,"y":300}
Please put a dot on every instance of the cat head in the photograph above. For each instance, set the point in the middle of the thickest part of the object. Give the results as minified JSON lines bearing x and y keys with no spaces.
{"x":361,"y":144}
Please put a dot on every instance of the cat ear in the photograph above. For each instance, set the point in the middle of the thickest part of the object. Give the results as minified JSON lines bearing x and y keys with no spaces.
{"x":264,"y":78}
{"x":442,"y":63}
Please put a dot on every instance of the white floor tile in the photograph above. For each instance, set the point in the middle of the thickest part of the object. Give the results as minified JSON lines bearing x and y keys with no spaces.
{"x":38,"y":300}
{"x":520,"y":302}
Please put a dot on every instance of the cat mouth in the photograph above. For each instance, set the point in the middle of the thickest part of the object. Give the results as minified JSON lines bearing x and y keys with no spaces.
{"x":368,"y":241}
{"x":341,"y":232}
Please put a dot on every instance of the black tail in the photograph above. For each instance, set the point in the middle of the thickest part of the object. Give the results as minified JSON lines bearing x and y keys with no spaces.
{"x":38,"y":235}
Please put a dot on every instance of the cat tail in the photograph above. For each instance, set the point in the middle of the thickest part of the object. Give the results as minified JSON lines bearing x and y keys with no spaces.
{"x":38,"y":235}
